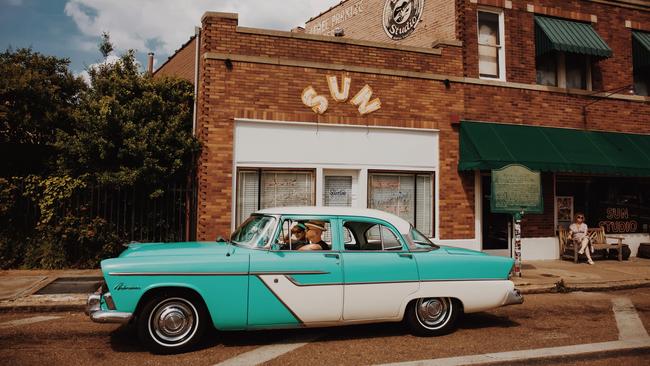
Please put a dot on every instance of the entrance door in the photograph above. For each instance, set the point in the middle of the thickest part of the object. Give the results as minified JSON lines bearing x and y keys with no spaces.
{"x":340,"y":188}
{"x":497,"y":227}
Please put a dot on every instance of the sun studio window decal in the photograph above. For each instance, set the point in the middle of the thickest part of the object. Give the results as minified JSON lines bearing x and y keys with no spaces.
{"x":401,"y":17}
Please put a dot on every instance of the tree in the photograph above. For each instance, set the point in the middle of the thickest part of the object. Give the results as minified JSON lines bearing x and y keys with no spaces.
{"x":105,"y":45}
{"x":132,"y":129}
{"x":38,"y":95}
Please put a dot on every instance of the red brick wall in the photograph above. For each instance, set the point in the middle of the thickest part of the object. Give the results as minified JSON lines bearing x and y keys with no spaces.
{"x":272,"y":92}
{"x":253,"y":90}
{"x":520,"y":37}
{"x":181,"y":64}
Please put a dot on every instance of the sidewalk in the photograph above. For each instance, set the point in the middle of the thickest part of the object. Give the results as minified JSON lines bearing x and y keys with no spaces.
{"x":18,"y":287}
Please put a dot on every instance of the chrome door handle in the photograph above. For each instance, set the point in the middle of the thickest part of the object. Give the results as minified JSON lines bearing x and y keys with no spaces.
{"x":406,"y":255}
{"x":332,"y":255}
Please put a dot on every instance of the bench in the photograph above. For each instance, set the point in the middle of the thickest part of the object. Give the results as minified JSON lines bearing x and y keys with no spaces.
{"x":598,"y":241}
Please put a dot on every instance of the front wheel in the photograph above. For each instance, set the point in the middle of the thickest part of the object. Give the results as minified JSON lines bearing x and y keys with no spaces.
{"x":432,"y":316}
{"x":172,"y":324}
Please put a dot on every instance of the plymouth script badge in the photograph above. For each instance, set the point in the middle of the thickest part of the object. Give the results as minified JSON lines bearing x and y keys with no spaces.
{"x":401,"y":17}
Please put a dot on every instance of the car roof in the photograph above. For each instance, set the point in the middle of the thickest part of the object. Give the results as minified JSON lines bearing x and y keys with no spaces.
{"x":399,"y":223}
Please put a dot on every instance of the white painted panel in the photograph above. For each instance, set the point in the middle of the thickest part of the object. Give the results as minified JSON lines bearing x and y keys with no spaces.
{"x":475,"y":295}
{"x":261,"y":143}
{"x":376,"y":301}
{"x":548,"y":248}
{"x":633,"y":240}
{"x":311,"y":304}
{"x":533,"y":249}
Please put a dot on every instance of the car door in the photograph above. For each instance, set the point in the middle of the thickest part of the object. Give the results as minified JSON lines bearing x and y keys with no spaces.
{"x":289,"y":287}
{"x":379,"y":271}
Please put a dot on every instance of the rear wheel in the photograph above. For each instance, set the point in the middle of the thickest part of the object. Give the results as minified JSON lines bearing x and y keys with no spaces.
{"x":432,"y":316}
{"x":172,"y":323}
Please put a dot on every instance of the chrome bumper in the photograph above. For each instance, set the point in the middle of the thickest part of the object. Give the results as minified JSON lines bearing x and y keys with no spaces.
{"x":94,"y":310}
{"x":513,"y":297}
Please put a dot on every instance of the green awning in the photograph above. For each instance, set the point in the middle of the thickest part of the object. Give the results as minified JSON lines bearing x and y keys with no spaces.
{"x":487,"y":146}
{"x":641,"y":49}
{"x":552,"y":34}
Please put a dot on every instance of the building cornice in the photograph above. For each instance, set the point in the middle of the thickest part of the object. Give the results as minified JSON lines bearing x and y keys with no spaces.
{"x":417,"y":75}
{"x":340,"y":40}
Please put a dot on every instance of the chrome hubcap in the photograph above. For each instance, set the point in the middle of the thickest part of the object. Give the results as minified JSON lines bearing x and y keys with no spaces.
{"x":173,"y":320}
{"x":433,"y":312}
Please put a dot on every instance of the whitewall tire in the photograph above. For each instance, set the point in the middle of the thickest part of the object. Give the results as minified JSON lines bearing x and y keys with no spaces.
{"x":172,"y":323}
{"x":432,"y":316}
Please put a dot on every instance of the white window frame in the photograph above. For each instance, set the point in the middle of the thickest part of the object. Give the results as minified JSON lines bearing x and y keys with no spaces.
{"x":502,"y":42}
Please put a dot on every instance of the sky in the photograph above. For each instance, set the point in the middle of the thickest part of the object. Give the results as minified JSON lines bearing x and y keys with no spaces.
{"x":72,"y":28}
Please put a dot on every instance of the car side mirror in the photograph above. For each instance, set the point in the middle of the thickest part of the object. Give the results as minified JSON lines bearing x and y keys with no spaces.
{"x":275,"y":247}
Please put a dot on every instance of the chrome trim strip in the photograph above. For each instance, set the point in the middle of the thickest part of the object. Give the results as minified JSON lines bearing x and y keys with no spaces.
{"x":178,"y":273}
{"x":255,"y":273}
{"x":293,"y":280}
{"x":259,"y":273}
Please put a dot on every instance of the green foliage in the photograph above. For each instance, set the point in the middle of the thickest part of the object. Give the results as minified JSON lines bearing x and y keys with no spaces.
{"x":133,"y":130}
{"x":124,"y":129}
{"x":38,"y":96}
{"x":51,"y":193}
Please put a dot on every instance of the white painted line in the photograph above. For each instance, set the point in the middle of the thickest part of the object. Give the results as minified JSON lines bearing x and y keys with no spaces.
{"x":530,"y":354}
{"x":265,"y":353}
{"x":19,"y":322}
{"x":628,"y":322}
{"x":632,"y":335}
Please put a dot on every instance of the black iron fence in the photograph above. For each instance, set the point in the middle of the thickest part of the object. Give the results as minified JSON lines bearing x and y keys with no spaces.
{"x":133,"y":213}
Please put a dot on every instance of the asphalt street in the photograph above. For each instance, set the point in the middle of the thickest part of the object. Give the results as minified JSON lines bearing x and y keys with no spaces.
{"x":543,"y":321}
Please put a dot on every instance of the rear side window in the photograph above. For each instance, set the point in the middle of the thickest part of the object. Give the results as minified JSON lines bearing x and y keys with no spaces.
{"x":371,"y":236}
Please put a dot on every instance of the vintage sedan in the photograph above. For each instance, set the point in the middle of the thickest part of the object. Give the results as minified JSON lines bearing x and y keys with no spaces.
{"x":369,"y":266}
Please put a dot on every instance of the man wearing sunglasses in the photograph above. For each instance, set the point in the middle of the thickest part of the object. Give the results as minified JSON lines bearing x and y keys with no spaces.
{"x":578,"y":233}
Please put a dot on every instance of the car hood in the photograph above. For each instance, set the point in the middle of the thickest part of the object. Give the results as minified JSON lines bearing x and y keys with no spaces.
{"x":176,"y":249}
{"x":460,"y":251}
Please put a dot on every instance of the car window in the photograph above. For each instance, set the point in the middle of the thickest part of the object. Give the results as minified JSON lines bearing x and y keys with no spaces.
{"x":293,"y":234}
{"x":254,"y":232}
{"x":371,"y":236}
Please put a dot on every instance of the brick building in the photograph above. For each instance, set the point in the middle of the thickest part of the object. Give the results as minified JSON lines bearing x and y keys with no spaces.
{"x":406,"y":106}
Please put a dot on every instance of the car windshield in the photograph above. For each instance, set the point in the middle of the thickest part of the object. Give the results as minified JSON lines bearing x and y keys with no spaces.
{"x":254,"y":232}
{"x":420,"y":240}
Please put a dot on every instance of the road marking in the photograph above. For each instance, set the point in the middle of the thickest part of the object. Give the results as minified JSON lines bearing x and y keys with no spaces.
{"x":35,"y":319}
{"x":627,"y":320}
{"x":530,"y":354}
{"x":266,"y":353}
{"x":632,"y":335}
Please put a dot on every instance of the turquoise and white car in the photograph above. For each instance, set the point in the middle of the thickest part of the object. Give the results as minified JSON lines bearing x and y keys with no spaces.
{"x":376,"y":267}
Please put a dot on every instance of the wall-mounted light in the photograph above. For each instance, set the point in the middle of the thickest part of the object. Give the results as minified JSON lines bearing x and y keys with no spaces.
{"x":447,"y":83}
{"x":228,"y":63}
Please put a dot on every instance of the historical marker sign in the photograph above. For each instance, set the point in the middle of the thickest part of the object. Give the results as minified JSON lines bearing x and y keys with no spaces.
{"x":516,"y":189}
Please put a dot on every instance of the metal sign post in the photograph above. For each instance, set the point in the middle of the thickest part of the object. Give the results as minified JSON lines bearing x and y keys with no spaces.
{"x":515,"y":190}
{"x":517,"y":248}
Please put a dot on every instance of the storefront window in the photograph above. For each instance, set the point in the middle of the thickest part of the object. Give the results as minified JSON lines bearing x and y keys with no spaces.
{"x":278,"y":189}
{"x":620,"y":205}
{"x":409,"y":196}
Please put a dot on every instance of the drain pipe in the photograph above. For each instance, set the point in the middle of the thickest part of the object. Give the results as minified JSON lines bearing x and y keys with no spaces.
{"x":197,"y":32}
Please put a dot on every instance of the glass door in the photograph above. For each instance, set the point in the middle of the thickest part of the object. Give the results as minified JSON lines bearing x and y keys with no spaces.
{"x":496,"y":228}
{"x":340,"y":188}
